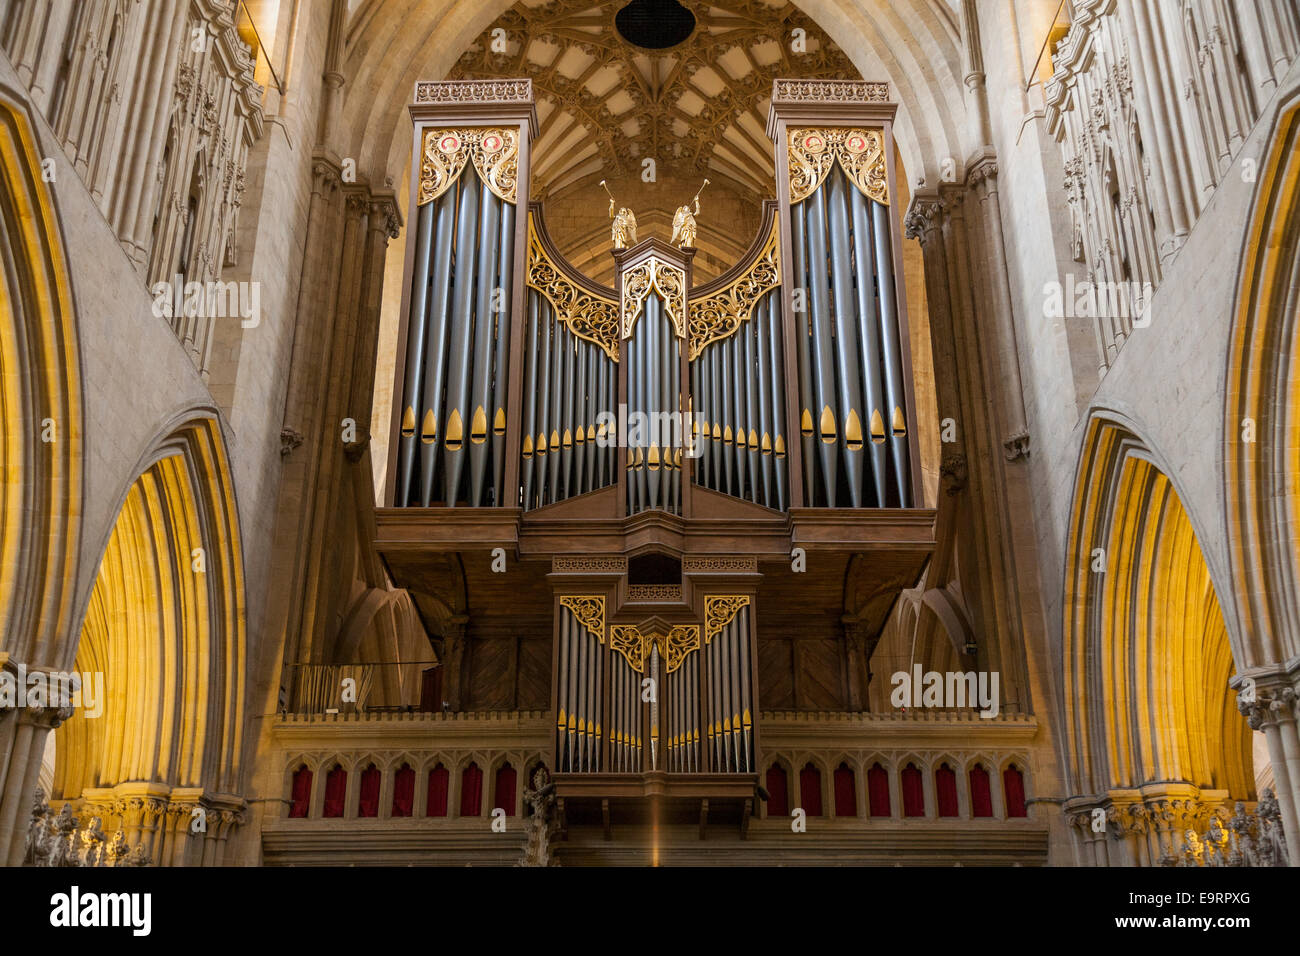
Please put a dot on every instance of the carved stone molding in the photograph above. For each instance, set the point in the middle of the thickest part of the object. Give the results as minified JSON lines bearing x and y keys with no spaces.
{"x":952,"y":472}
{"x":289,"y":440}
{"x":1017,"y":446}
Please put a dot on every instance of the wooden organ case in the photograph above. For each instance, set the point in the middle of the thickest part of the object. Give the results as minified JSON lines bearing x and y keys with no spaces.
{"x":650,"y":457}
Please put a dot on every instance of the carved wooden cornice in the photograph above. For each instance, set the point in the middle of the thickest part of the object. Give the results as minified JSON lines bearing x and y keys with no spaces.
{"x":590,"y":315}
{"x":718,"y":315}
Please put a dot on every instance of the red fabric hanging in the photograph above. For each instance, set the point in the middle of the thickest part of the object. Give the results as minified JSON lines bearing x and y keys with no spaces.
{"x":913,"y":792}
{"x":878,"y":790}
{"x":368,"y":800}
{"x":436,"y":805}
{"x":778,"y":796}
{"x":810,"y":790}
{"x":945,"y":791}
{"x":403,"y":791}
{"x":471,"y":791}
{"x":981,"y":795}
{"x":301,"y":793}
{"x":505,"y":789}
{"x":846,"y":793}
{"x":336,"y":788}
{"x":1013,"y":785}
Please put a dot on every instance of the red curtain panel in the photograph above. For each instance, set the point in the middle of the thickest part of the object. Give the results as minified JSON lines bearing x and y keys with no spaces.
{"x":505,"y":789}
{"x":913,"y":792}
{"x":471,"y":791}
{"x":403,"y":791}
{"x":945,"y":790}
{"x":878,"y":790}
{"x":368,"y":797}
{"x":336,"y":788}
{"x":437,"y":802}
{"x":846,"y":793}
{"x":981,"y":794}
{"x":301,"y":793}
{"x":778,"y":795}
{"x":810,"y":790}
{"x":1013,"y":785}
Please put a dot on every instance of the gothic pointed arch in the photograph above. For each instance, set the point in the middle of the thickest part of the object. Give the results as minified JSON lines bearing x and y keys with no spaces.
{"x":40,"y":403}
{"x":1262,"y":417}
{"x":165,"y":625}
{"x":1147,"y":654}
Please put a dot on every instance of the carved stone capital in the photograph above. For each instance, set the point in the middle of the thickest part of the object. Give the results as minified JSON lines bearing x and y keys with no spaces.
{"x":1017,"y":446}
{"x":952,"y":473}
{"x":923,"y":219}
{"x":289,"y":440}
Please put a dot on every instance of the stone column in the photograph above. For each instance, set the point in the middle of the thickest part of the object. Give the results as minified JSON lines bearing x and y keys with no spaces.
{"x":1274,"y":712}
{"x":26,"y":749}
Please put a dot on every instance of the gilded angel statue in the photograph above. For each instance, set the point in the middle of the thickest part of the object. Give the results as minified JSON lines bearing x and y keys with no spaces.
{"x":684,"y":225}
{"x":623,"y":232}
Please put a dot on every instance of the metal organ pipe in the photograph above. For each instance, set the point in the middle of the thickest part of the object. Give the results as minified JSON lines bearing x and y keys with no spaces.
{"x":527,"y":451}
{"x":752,"y":413}
{"x":776,"y":383}
{"x":803,"y":349}
{"x":869,"y":327}
{"x":825,"y":422}
{"x":435,"y":355}
{"x":890,"y":320}
{"x":478,"y":424}
{"x":501,"y":366}
{"x":541,"y":400}
{"x":849,"y":393}
{"x":412,"y":406}
{"x":559,"y":348}
{"x":462,"y":325}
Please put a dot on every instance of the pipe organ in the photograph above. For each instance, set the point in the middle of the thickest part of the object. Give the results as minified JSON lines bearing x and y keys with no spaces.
{"x":711,"y":428}
{"x":852,"y":420}
{"x":654,"y":696}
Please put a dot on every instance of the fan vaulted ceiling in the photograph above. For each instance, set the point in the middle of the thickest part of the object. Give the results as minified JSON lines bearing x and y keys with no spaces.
{"x":698,"y":108}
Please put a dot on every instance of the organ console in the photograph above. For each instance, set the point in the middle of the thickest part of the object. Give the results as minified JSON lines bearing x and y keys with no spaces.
{"x":715,"y":425}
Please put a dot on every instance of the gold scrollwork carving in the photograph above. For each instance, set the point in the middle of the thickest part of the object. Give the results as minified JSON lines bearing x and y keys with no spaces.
{"x":590,"y":317}
{"x":719,"y":315}
{"x":590,"y":612}
{"x":861,"y":153}
{"x":627,"y":640}
{"x":669,"y":280}
{"x":719,"y":610}
{"x":674,"y":647}
{"x":678,"y":645}
{"x":494,"y":151}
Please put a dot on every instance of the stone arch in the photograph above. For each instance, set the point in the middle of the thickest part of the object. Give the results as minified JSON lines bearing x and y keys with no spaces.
{"x":41,"y":452}
{"x":388,"y":46}
{"x":165,"y":625}
{"x":1147,"y":653}
{"x":40,"y":403}
{"x":1263,"y":386}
